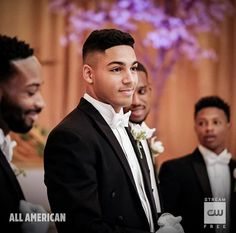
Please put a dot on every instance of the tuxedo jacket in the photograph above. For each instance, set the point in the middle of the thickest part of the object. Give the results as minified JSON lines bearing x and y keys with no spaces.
{"x":88,"y":177}
{"x":10,"y":196}
{"x":185,"y":185}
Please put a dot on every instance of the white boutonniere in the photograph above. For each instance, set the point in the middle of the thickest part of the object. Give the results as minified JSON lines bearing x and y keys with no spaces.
{"x":141,"y":132}
{"x":234,"y":175}
{"x":156,"y":147}
{"x":17,"y":171}
{"x":7,"y":145}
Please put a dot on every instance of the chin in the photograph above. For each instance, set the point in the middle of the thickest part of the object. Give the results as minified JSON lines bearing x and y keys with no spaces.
{"x":136,"y":120}
{"x":22,"y":129}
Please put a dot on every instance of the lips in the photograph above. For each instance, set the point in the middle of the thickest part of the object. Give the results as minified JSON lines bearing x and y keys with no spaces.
{"x":33,"y":116}
{"x":210,"y":138}
{"x":127,"y":91}
{"x":137,"y":111}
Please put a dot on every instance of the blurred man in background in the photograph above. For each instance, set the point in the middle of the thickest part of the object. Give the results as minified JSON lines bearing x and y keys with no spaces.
{"x":192,"y":184}
{"x":20,"y":104}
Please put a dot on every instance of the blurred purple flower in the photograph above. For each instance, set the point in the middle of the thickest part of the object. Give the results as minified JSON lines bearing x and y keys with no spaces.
{"x":171,"y":35}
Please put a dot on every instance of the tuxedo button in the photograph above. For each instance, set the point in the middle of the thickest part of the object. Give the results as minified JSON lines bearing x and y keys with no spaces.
{"x":113,"y":194}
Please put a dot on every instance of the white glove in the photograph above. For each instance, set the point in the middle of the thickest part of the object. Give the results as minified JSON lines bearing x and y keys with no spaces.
{"x":169,"y":224}
{"x":32,"y":227}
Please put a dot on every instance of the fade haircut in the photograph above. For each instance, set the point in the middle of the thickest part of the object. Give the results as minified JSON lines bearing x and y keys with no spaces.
{"x":212,"y":101}
{"x":11,"y":49}
{"x":100,"y":40}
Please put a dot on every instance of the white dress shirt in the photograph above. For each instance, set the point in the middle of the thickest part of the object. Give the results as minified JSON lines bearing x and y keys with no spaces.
{"x":218,"y":171}
{"x":219,"y":175}
{"x":122,"y":137}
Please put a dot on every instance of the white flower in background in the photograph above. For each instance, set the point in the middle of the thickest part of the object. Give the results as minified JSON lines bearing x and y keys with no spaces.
{"x":156,"y":147}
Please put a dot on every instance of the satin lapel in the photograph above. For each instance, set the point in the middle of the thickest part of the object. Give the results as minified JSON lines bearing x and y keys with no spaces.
{"x":201,"y":172}
{"x":10,"y":174}
{"x":156,"y":177}
{"x":92,"y":113}
{"x":146,"y":178}
{"x":144,"y":169}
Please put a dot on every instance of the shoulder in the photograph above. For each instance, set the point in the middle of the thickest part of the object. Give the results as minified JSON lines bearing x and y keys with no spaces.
{"x":178,"y":161}
{"x":78,"y":119}
{"x":179,"y":164}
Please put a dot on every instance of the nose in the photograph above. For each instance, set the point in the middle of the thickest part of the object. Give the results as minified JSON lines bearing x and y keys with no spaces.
{"x":39,"y":101}
{"x":135,"y":100}
{"x":209,"y":127}
{"x":130,"y":77}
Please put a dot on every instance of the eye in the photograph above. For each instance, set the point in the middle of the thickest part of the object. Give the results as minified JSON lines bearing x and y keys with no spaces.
{"x":134,"y":68}
{"x":115,"y":69}
{"x":216,"y":122}
{"x":32,"y":90}
{"x":142,"y":91}
{"x":201,"y":123}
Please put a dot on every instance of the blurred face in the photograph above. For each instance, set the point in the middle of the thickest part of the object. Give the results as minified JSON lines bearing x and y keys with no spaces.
{"x":21,"y":101}
{"x":111,"y":76}
{"x":141,"y":102}
{"x":212,"y":128}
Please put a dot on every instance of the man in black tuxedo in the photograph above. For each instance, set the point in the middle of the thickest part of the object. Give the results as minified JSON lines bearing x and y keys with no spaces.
{"x":140,"y":108}
{"x":149,"y":147}
{"x":20,"y":104}
{"x":205,"y":175}
{"x":93,"y":170}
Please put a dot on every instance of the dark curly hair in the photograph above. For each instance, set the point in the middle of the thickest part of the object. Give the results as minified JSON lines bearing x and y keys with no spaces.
{"x":212,"y":101}
{"x":100,"y":40}
{"x":11,"y":49}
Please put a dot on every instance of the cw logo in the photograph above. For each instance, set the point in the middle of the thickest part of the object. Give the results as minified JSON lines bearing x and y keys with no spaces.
{"x":215,"y":212}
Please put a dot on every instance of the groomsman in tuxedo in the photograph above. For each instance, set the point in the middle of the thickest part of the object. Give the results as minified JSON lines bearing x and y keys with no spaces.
{"x":192,"y":183}
{"x":20,"y":104}
{"x":140,"y":108}
{"x":93,"y":171}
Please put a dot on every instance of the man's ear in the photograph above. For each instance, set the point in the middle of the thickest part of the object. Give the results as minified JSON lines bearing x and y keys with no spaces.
{"x":88,"y":73}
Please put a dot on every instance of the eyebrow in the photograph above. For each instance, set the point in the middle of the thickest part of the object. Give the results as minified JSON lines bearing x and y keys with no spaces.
{"x":34,"y":84}
{"x":121,"y":63}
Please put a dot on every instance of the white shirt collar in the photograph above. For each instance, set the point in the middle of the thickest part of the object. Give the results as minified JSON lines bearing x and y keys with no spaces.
{"x":106,"y":110}
{"x":210,"y":155}
{"x":7,"y":145}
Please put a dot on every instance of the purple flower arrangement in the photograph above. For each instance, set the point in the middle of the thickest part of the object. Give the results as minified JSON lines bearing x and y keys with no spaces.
{"x":174,"y":27}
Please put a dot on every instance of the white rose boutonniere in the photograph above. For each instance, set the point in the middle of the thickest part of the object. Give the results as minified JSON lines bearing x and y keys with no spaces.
{"x":7,"y":145}
{"x":234,"y":175}
{"x":156,"y":147}
{"x":141,"y":132}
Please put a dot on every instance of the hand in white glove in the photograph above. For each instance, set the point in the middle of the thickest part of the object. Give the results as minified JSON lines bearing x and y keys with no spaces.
{"x":32,"y":227}
{"x":169,"y":224}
